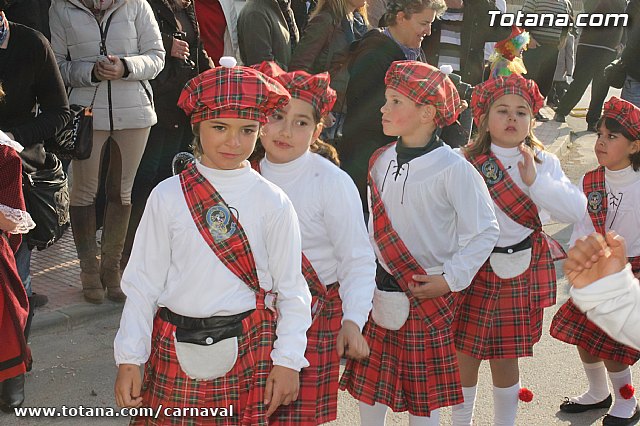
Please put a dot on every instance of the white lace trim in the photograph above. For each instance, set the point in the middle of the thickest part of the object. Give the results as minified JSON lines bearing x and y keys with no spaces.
{"x":20,"y":218}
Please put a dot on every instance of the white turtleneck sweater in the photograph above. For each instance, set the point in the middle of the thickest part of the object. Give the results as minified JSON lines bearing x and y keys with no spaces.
{"x":441,"y":209}
{"x":334,"y":236}
{"x":171,"y":265}
{"x":623,"y":209}
{"x":552,"y":192}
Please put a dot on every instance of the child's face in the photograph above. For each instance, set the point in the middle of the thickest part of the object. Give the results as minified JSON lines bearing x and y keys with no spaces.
{"x":613,"y":149}
{"x":289,"y":132}
{"x":227,"y":142}
{"x":400,"y":115}
{"x":509,"y":121}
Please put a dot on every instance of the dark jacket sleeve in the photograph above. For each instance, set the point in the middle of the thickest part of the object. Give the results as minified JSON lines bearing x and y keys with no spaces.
{"x":254,"y":37}
{"x":631,"y":53}
{"x":51,"y":97}
{"x":316,"y":37}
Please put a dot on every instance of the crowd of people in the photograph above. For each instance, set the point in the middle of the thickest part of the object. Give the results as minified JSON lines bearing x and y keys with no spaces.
{"x":401,"y":189}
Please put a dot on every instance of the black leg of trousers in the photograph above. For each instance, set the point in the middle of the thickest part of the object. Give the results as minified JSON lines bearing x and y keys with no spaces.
{"x":599,"y":86}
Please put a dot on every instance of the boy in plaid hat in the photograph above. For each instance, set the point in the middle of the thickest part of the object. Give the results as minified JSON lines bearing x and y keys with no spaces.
{"x":338,"y":260}
{"x":613,"y":194}
{"x":214,"y":246}
{"x":433,"y":225}
{"x":499,"y":317}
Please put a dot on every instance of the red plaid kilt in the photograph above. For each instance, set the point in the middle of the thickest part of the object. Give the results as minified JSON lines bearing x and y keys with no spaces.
{"x":572,"y":326}
{"x":317,"y":401}
{"x":395,"y":373}
{"x":243,"y":387}
{"x":498,"y":318}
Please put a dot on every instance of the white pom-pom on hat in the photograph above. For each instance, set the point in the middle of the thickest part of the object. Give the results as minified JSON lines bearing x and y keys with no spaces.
{"x":228,"y":61}
{"x":446,"y":69}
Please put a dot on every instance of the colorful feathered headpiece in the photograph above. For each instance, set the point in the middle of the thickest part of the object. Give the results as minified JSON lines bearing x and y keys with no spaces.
{"x":506,"y":59}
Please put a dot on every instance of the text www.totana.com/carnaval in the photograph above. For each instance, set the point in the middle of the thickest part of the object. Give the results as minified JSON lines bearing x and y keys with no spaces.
{"x":82,"y":411}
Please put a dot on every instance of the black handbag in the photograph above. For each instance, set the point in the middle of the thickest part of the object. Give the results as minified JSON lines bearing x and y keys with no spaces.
{"x":46,"y":195}
{"x":615,"y":73}
{"x":75,"y":140}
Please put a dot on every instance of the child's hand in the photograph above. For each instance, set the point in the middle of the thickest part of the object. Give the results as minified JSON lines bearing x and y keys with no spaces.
{"x":350,"y":342}
{"x":283,"y":385}
{"x":429,"y":286}
{"x":593,"y":258}
{"x":527,"y":166}
{"x":128,"y":385}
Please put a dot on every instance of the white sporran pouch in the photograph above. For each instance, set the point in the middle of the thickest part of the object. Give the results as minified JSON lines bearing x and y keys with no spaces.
{"x":207,"y":362}
{"x":390,"y":309}
{"x":510,"y":265}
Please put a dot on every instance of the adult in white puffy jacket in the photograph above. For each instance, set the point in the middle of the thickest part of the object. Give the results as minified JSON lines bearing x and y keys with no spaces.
{"x":108,"y":49}
{"x":604,"y":287}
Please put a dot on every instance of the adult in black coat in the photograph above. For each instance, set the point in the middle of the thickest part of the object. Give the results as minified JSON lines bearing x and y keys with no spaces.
{"x":631,"y":55}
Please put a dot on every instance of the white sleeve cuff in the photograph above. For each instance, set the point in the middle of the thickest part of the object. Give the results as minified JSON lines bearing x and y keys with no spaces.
{"x":21,"y":219}
{"x":288,"y":360}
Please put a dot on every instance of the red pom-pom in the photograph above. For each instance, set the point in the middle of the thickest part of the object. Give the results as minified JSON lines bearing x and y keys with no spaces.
{"x":525,"y":395}
{"x":627,"y":391}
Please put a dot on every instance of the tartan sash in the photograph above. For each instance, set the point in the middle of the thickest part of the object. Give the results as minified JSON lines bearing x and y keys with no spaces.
{"x":227,"y":239}
{"x":395,"y":254}
{"x":318,"y":291}
{"x":512,"y":200}
{"x":593,"y":186}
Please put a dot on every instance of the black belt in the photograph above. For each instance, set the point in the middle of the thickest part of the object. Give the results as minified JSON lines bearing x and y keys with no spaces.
{"x":205,"y":331}
{"x":385,"y":281}
{"x":522,"y":245}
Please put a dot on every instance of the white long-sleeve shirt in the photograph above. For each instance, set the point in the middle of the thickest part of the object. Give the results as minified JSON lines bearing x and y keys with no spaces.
{"x":171,"y":265}
{"x":623,"y":209}
{"x":552,"y":192}
{"x":334,"y":235}
{"x":441,"y":209}
{"x":613,"y":304}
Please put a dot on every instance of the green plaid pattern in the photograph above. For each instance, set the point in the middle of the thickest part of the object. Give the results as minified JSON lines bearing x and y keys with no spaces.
{"x":484,"y":94}
{"x":625,"y":113}
{"x":593,"y":185}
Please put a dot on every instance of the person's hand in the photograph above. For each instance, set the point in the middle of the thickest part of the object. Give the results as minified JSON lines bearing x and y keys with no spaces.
{"x":283,"y":385}
{"x":6,"y":225}
{"x":429,"y":286}
{"x":532,"y":42}
{"x":350,"y":342}
{"x":595,"y":257}
{"x":180,"y":49}
{"x":111,"y":69}
{"x":463,"y":105}
{"x":527,"y":166}
{"x":128,"y":386}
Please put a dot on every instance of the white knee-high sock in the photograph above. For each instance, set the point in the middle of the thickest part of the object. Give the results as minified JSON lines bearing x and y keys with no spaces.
{"x":505,"y":405}
{"x":622,"y":407}
{"x":462,"y":414}
{"x":372,"y":415}
{"x":598,"y":388}
{"x":432,"y":420}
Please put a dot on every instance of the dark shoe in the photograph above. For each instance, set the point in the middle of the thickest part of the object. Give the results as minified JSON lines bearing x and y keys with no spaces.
{"x":610,"y":420}
{"x":12,"y":393}
{"x":592,"y":127}
{"x":559,"y":118}
{"x":541,"y":118}
{"x":38,"y":300}
{"x":573,"y":407}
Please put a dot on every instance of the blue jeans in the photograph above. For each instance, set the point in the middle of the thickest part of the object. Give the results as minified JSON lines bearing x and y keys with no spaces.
{"x":631,"y":91}
{"x":23,"y":262}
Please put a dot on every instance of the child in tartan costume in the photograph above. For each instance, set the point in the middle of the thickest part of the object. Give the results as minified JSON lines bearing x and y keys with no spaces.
{"x":613,"y":193}
{"x":205,"y":266}
{"x":338,"y":260}
{"x":433,"y":225}
{"x":499,"y":317}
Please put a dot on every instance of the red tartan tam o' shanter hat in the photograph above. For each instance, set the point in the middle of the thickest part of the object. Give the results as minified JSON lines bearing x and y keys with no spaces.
{"x":486,"y":93}
{"x":311,"y":88}
{"x":231,"y":91}
{"x":625,"y":113}
{"x":425,"y":85}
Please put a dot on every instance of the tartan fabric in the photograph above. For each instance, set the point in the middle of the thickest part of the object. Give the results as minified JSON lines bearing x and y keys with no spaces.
{"x":495,"y":318}
{"x":484,"y":94}
{"x":414,"y":368}
{"x":425,"y":85}
{"x":236,"y":92}
{"x":572,"y":326}
{"x":625,"y":113}
{"x":593,"y":185}
{"x":311,"y":88}
{"x":509,"y":198}
{"x":318,"y":398}
{"x":317,"y":290}
{"x":243,"y":387}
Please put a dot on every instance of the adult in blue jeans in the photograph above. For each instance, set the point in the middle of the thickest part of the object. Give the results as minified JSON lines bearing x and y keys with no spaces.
{"x":631,"y":55}
{"x":597,"y":47}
